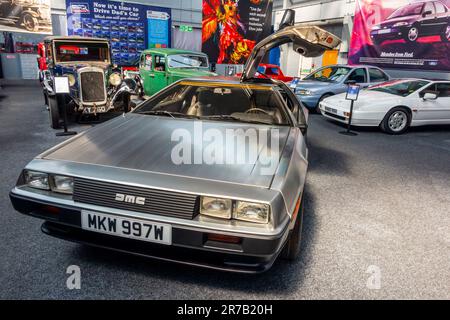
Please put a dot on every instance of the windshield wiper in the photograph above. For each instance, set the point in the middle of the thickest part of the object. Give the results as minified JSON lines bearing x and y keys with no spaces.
{"x":234,"y":118}
{"x":168,"y":113}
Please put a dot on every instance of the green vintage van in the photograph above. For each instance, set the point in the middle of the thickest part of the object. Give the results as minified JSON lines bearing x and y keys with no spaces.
{"x":162,"y":66}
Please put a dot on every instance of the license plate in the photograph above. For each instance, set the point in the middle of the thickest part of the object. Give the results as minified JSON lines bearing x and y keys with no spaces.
{"x":330,"y":110}
{"x":384,"y":31}
{"x":95,"y":110}
{"x":126,"y":227}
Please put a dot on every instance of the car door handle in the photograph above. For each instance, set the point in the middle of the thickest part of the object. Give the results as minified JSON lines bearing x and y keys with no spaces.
{"x":151,"y":75}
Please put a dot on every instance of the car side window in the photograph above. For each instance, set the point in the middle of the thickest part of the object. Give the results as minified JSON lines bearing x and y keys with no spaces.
{"x":358,"y":75}
{"x":443,"y":90}
{"x":377,"y":75}
{"x":429,"y":7}
{"x":440,"y":8}
{"x":160,"y":63}
{"x":147,"y":62}
{"x":430,"y":88}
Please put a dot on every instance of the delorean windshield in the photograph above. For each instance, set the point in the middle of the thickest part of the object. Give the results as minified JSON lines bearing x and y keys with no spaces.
{"x":218,"y":101}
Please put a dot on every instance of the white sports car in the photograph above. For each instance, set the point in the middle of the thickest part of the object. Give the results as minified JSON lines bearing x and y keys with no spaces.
{"x":394,"y":105}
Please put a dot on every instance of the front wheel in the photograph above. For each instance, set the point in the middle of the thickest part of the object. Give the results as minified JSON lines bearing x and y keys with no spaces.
{"x":412,"y":34}
{"x":445,"y":37}
{"x":291,"y":250}
{"x":53,"y":112}
{"x":396,"y":121}
{"x":29,"y":22}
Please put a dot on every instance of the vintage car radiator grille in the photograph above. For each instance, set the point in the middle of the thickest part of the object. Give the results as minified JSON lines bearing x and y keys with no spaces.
{"x":92,"y":86}
{"x":159,"y":202}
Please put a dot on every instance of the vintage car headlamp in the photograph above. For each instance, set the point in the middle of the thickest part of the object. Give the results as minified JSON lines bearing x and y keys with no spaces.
{"x":71,"y":78}
{"x":216,"y":207}
{"x":251,"y":211}
{"x":62,"y":184}
{"x":400,"y":24}
{"x":115,"y":79}
{"x":35,"y":179}
{"x":303,"y":92}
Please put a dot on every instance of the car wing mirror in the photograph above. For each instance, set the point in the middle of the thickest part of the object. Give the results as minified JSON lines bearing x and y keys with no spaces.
{"x":430,"y":96}
{"x":426,"y":13}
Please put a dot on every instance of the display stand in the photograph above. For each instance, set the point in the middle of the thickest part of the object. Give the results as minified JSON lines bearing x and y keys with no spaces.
{"x":352,"y":95}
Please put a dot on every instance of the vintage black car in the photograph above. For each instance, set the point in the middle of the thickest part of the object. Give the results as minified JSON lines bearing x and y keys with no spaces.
{"x":32,"y":15}
{"x":96,"y":86}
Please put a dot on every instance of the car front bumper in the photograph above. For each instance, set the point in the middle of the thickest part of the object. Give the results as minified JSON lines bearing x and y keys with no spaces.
{"x":309,"y":101}
{"x":388,"y":34}
{"x":341,"y":114}
{"x":189,"y":246}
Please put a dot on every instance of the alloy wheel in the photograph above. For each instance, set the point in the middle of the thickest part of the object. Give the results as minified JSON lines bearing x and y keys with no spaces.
{"x":413,"y":34}
{"x":398,"y":121}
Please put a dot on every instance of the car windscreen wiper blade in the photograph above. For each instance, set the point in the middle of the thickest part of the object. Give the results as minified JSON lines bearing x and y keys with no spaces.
{"x":168,"y":113}
{"x":234,"y":118}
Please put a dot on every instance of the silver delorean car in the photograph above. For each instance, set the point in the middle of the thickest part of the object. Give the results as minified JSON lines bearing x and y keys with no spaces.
{"x":118,"y":186}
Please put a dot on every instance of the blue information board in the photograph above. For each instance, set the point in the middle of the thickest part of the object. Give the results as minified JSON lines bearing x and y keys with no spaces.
{"x":130,"y":27}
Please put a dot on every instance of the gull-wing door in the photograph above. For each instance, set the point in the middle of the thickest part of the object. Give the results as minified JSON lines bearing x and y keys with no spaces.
{"x":309,"y":41}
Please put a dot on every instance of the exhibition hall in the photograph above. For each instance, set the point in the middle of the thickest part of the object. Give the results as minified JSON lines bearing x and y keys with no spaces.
{"x":225,"y":150}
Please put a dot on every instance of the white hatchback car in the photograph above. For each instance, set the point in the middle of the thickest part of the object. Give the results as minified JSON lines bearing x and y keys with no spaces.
{"x":394,"y":105}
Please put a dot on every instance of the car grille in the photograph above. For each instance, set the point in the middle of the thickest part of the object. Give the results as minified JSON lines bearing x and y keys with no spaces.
{"x":92,"y":86}
{"x":159,"y":202}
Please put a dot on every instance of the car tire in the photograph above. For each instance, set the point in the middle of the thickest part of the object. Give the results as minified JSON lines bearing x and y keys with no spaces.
{"x":445,"y":37}
{"x":29,"y":22}
{"x":396,"y":121}
{"x":53,"y":112}
{"x":317,"y":109}
{"x":412,"y":34}
{"x":291,"y":249}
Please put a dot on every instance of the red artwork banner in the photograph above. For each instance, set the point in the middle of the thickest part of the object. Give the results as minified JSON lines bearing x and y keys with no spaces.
{"x":231,"y":28}
{"x":402,"y":34}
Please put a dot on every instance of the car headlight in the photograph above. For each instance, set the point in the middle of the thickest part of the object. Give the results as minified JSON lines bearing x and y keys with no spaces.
{"x":303,"y":92}
{"x":376,"y":27}
{"x":239,"y":210}
{"x":35,"y":179}
{"x":400,"y":24}
{"x":71,"y":78}
{"x":62,"y":184}
{"x":253,"y":212}
{"x":115,"y":79}
{"x":216,"y":207}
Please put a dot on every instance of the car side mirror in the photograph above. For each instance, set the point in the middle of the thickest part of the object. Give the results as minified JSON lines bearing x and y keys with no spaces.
{"x":430,"y":96}
{"x":426,"y":13}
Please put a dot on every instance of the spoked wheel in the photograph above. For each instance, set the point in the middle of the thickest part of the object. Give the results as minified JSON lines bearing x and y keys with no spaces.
{"x":29,"y":22}
{"x":396,"y":121}
{"x":445,"y":37}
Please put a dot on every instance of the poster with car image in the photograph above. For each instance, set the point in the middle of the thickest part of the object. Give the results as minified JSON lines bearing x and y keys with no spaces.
{"x":130,"y":27}
{"x":32,"y":16}
{"x":402,"y":34}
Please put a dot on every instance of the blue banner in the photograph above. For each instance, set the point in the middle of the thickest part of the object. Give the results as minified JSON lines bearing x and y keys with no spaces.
{"x":129,"y":27}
